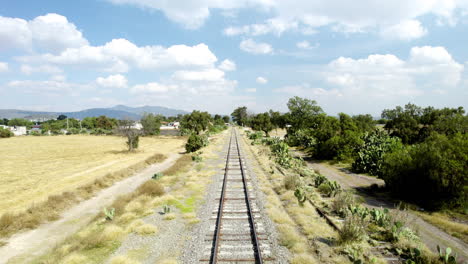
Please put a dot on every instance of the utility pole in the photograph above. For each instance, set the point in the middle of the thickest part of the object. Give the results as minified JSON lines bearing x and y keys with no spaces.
{"x":67,"y":124}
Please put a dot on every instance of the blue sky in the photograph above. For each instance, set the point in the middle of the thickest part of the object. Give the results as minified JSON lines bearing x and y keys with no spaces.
{"x":215,"y":55}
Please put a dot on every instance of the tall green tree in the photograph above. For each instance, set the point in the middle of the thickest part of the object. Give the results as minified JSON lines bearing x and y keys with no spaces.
{"x":302,"y":112}
{"x":196,"y":121}
{"x":151,"y":124}
{"x":240,"y":116}
{"x":262,"y":122}
{"x":20,"y":122}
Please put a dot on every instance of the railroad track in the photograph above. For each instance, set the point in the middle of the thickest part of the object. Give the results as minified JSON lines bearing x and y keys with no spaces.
{"x":236,"y":234}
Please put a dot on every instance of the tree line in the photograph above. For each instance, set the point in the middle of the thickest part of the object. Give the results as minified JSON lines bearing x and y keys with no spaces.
{"x":420,"y":153}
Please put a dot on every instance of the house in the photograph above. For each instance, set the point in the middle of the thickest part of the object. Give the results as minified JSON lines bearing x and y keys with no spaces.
{"x":18,"y":130}
{"x":137,"y":125}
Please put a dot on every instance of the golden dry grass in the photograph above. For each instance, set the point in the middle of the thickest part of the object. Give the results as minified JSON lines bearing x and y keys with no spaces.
{"x":79,"y":166}
{"x":34,"y":168}
{"x":447,"y":224}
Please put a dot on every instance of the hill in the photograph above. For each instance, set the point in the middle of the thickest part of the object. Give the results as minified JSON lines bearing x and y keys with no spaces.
{"x":119,"y":112}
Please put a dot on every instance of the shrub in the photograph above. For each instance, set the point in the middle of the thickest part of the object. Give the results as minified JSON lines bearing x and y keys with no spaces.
{"x":5,"y":133}
{"x":342,"y":202}
{"x":302,"y":138}
{"x":370,"y":154}
{"x":433,"y":173}
{"x":197,"y":157}
{"x":196,"y":142}
{"x":256,"y":135}
{"x":35,"y":133}
{"x":291,"y":182}
{"x":353,"y":230}
{"x":152,"y":188}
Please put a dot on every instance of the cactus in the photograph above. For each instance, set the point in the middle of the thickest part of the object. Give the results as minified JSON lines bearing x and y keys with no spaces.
{"x":157,"y":176}
{"x":380,"y":217}
{"x":300,"y":195}
{"x":166,"y":209}
{"x":335,"y":188}
{"x":109,"y":214}
{"x":446,"y":257}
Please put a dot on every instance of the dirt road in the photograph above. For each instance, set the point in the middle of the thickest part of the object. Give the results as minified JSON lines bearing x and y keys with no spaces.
{"x":430,"y":234}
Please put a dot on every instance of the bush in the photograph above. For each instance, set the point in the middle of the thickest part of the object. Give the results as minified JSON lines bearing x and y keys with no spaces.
{"x":35,"y":133}
{"x":5,"y":133}
{"x":370,"y":155}
{"x":433,"y":173}
{"x":342,"y":202}
{"x":302,"y":138}
{"x":152,"y":188}
{"x":196,"y":142}
{"x":353,"y":230}
{"x":256,"y":135}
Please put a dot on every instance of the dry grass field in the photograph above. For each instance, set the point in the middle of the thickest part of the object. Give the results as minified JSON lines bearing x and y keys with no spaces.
{"x":34,"y":168}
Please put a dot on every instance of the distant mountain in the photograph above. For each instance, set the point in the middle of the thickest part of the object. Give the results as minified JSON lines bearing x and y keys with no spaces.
{"x":158,"y":110}
{"x":119,"y":112}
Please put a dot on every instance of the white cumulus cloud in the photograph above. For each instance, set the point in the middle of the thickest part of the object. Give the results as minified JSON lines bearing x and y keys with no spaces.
{"x":119,"y":55}
{"x":227,"y":65}
{"x":113,"y":81}
{"x":406,"y":30}
{"x":51,"y":32}
{"x":261,"y":80}
{"x":253,"y":47}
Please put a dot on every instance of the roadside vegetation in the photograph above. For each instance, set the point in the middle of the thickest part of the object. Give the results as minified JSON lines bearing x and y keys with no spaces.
{"x":352,"y":231}
{"x":420,"y":153}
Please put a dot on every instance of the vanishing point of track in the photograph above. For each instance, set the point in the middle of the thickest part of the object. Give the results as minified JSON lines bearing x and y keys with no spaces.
{"x":236,"y":237}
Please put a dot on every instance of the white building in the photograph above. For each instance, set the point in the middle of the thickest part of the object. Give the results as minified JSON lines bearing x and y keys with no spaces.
{"x":18,"y":130}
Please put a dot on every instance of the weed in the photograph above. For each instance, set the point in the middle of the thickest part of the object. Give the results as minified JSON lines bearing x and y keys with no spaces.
{"x":109,"y":214}
{"x":179,"y":165}
{"x":342,"y":202}
{"x":151,"y":188}
{"x":291,"y":182}
{"x":353,"y":230}
{"x":169,"y":216}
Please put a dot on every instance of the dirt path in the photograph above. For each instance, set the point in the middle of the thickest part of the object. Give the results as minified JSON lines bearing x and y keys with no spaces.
{"x":22,"y":247}
{"x":430,"y":234}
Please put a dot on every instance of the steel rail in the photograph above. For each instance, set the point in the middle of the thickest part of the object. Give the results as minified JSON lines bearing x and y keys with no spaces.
{"x":257,"y":249}
{"x":214,"y":257}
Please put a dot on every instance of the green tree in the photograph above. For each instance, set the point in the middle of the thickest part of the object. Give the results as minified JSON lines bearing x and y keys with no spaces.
{"x":365,"y":123}
{"x":239,"y":116}
{"x":433,"y":173}
{"x":262,"y":122}
{"x":62,"y":117}
{"x":151,"y":124}
{"x":126,"y":129}
{"x":277,"y":119}
{"x":89,"y":122}
{"x":404,"y":122}
{"x":226,"y":119}
{"x":302,"y":112}
{"x":105,"y":123}
{"x":196,"y":121}
{"x":20,"y":122}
